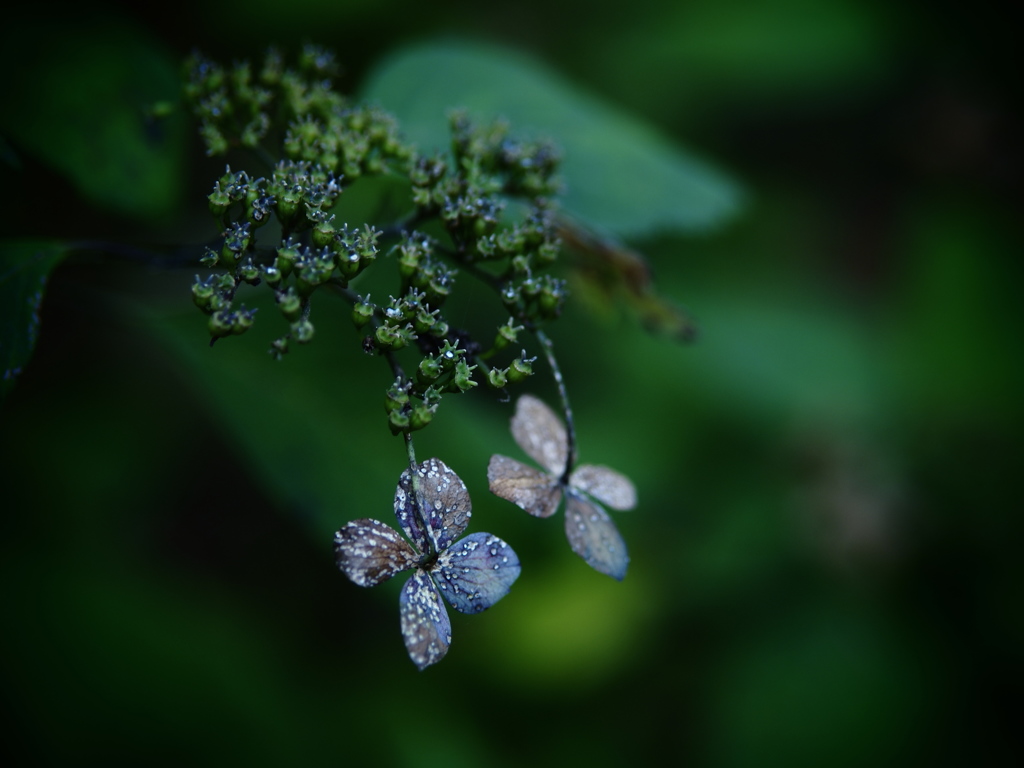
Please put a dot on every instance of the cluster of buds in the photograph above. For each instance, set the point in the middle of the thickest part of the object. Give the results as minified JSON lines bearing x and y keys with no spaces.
{"x":462,"y":199}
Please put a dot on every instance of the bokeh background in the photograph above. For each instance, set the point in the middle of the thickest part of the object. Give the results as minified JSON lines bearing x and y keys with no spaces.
{"x":825,"y":563}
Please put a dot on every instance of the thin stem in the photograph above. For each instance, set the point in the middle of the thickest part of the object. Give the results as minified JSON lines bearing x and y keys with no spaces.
{"x":178,"y":256}
{"x":417,"y":490}
{"x":570,"y":426}
{"x":412,"y":459}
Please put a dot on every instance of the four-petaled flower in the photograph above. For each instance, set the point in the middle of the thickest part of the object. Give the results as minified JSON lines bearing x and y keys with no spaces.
{"x":473,"y":573}
{"x":591,"y":532}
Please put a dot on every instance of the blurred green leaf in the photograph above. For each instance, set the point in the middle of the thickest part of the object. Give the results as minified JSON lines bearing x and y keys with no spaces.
{"x":25,"y":266}
{"x":623,"y":177}
{"x":686,"y":59}
{"x":80,"y":104}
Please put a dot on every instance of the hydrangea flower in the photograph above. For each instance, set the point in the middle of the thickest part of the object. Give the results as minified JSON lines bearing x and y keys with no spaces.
{"x":591,"y":532}
{"x":473,"y":573}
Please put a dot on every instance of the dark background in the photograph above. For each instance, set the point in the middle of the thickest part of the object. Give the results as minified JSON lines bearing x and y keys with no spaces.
{"x":825,"y":562}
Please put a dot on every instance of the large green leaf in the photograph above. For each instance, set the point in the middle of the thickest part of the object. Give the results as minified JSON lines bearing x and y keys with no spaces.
{"x":622,"y":176}
{"x":81,"y":101}
{"x":24,"y":268}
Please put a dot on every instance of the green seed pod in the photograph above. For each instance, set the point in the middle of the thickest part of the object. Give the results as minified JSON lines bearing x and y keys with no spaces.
{"x":462,"y":381}
{"x":323,"y":231}
{"x":507,"y":334}
{"x":396,"y":398}
{"x":271,"y":274}
{"x":202,"y":293}
{"x":243,"y":320}
{"x":448,"y":356}
{"x":279,"y":348}
{"x":349,"y":264}
{"x":221,"y":323}
{"x":497,"y":377}
{"x":398,"y":421}
{"x":521,"y":368}
{"x":388,"y":337}
{"x":429,"y":370}
{"x":220,"y":201}
{"x":249,"y":272}
{"x":424,"y":320}
{"x":287,"y":255}
{"x":290,"y":304}
{"x":302,"y":330}
{"x":362,"y":312}
{"x":420,"y":416}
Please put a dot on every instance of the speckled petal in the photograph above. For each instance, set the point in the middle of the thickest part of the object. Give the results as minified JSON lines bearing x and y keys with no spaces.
{"x":540,"y":433}
{"x":606,"y":485}
{"x":369,"y":552}
{"x":476,"y":572}
{"x":594,"y":537}
{"x":523,"y":485}
{"x":446,"y":505}
{"x":426,"y":629}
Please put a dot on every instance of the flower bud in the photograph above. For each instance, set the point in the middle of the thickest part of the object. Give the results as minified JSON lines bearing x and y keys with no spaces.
{"x":302,"y":330}
{"x":290,"y":304}
{"x":429,"y":370}
{"x":420,"y":416}
{"x":362,"y":312}
{"x":497,"y":377}
{"x":521,"y":368}
{"x":462,"y":381}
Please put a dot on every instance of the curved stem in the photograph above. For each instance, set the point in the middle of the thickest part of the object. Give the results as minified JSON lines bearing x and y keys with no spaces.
{"x":570,"y":426}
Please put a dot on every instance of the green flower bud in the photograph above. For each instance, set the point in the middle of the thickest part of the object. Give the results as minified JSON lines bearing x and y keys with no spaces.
{"x":249,"y":272}
{"x":521,"y":368}
{"x":287,"y":255}
{"x":408,"y":260}
{"x":429,"y":370}
{"x":546,"y":254}
{"x":497,"y":377}
{"x":302,"y":330}
{"x":424,"y":320}
{"x":507,"y":334}
{"x":397,"y":397}
{"x":362,"y":312}
{"x":551,"y":298}
{"x":462,"y":381}
{"x":448,"y":356}
{"x":398,"y":421}
{"x":323,"y":229}
{"x":279,"y":348}
{"x":289,"y":303}
{"x":220,"y":201}
{"x":420,"y":416}
{"x":271,"y":274}
{"x":243,"y":320}
{"x":221,"y":323}
{"x":202,"y":292}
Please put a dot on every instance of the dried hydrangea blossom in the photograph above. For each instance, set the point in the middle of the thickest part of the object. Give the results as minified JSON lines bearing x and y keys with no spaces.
{"x":473,"y":573}
{"x":591,"y":532}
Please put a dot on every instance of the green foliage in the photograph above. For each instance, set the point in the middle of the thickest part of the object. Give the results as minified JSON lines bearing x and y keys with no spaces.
{"x":25,"y":266}
{"x":457,"y":212}
{"x":91,"y":101}
{"x":623,"y":177}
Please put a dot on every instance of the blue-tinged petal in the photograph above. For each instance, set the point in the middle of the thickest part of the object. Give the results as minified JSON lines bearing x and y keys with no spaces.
{"x":594,"y":537}
{"x":476,"y":572}
{"x":369,"y":552}
{"x":606,"y":485}
{"x":525,"y":486}
{"x":540,"y":433}
{"x":434,"y":507}
{"x":426,"y":629}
